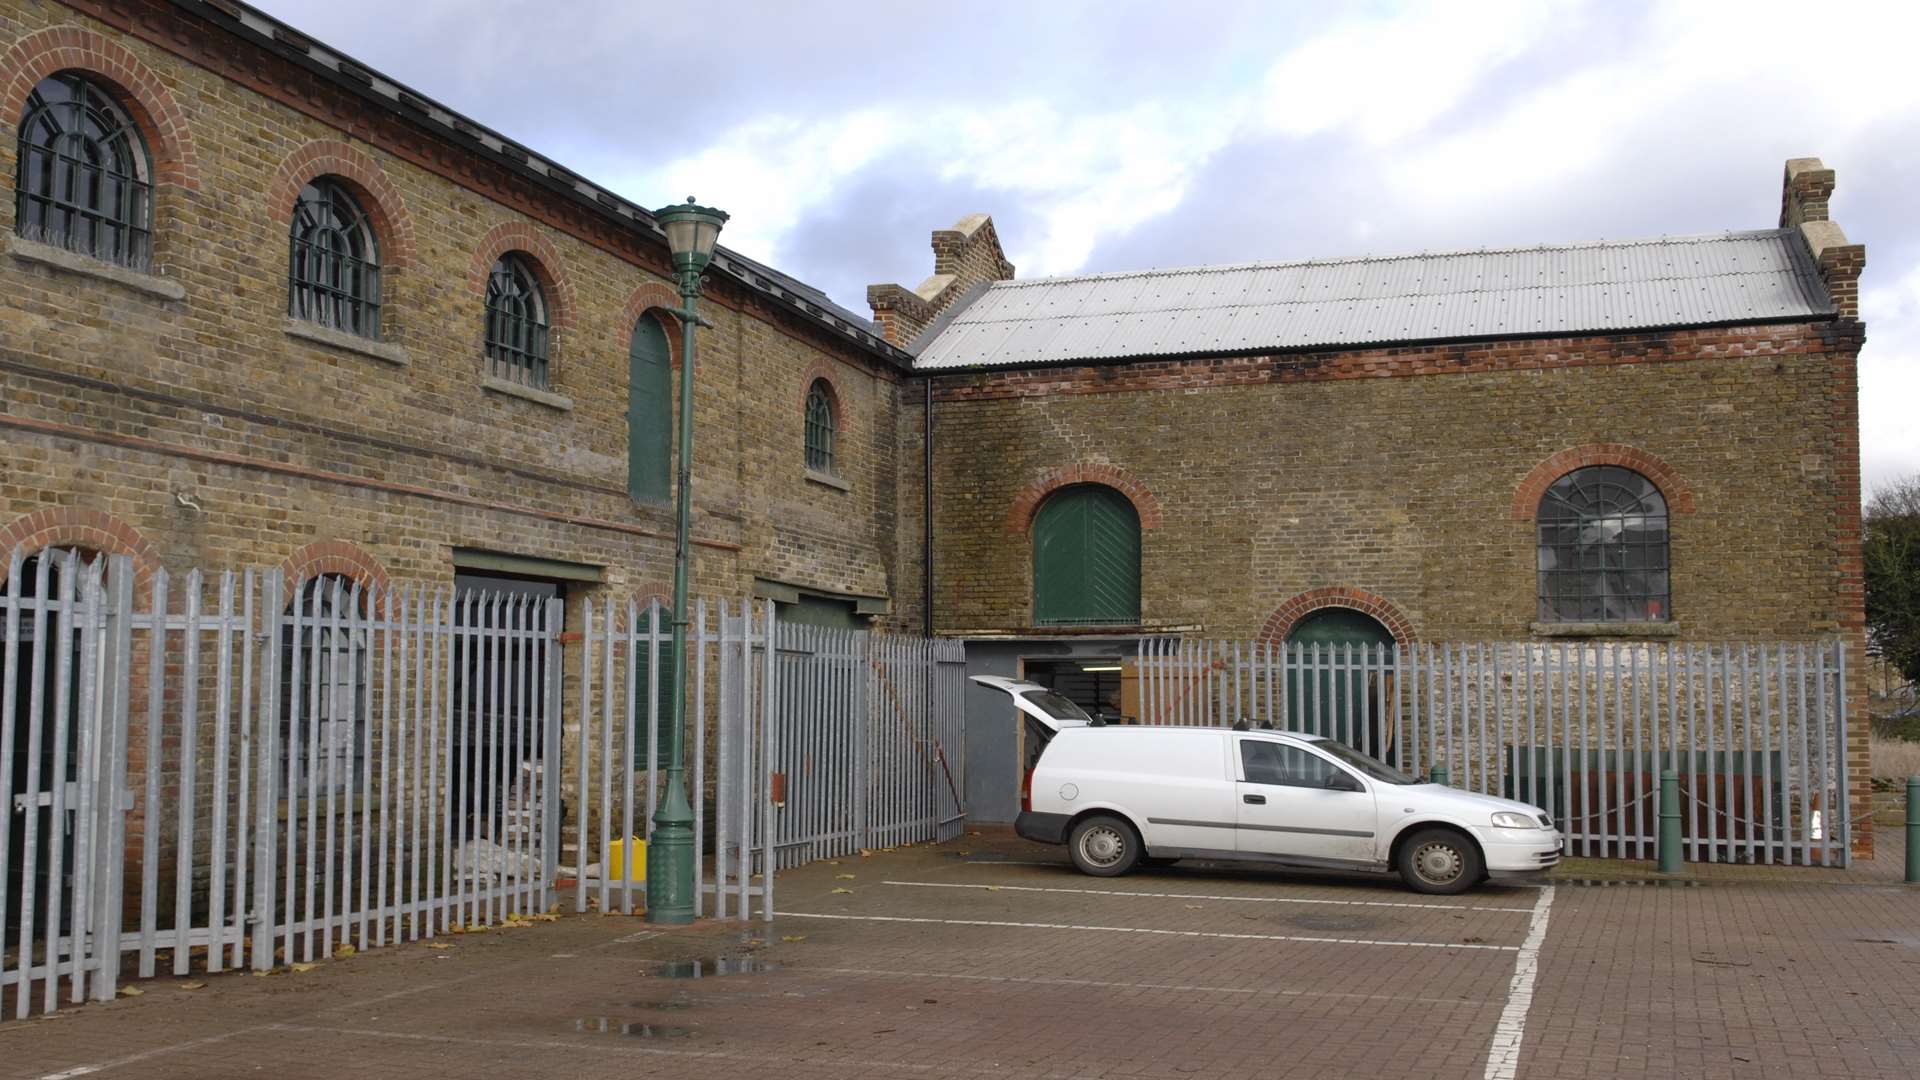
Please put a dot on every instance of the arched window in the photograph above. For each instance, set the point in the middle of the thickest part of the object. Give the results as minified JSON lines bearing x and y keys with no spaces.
{"x":516,"y":323}
{"x":820,"y":427}
{"x":1086,"y":558}
{"x":84,"y":179}
{"x":1603,"y":548}
{"x":333,"y":261}
{"x":324,"y":691}
{"x":649,"y":412}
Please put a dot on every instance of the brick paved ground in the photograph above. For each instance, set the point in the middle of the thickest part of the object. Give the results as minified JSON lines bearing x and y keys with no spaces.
{"x":1003,"y":962}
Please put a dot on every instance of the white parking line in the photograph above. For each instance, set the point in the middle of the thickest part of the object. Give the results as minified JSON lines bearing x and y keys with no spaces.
{"x":1503,"y":1056}
{"x":1206,"y":896}
{"x":1143,"y":930}
{"x":1255,"y":991}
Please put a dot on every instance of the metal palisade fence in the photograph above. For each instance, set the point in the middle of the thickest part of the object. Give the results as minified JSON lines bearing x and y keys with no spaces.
{"x":1757,"y":733}
{"x":840,"y":740}
{"x":211,"y":771}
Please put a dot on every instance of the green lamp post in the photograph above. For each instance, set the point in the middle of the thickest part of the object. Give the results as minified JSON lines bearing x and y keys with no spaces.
{"x":671,"y":876}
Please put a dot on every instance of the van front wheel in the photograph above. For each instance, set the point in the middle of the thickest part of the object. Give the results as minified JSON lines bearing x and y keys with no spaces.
{"x":1440,"y":862}
{"x":1104,"y":846}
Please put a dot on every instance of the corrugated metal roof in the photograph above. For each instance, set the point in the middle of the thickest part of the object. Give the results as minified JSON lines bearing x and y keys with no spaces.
{"x":1604,"y":286}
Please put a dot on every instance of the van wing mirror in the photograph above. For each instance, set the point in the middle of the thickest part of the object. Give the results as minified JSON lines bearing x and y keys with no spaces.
{"x":1341,"y":780}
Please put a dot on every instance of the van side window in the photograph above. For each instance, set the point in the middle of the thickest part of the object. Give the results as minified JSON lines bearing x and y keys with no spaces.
{"x":1287,"y":766}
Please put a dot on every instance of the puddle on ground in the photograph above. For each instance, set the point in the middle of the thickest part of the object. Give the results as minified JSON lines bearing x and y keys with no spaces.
{"x":711,"y":967}
{"x":671,"y":1004}
{"x":602,"y":1025}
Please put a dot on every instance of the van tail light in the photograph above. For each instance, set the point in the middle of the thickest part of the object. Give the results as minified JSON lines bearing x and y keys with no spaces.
{"x":1026,"y":792}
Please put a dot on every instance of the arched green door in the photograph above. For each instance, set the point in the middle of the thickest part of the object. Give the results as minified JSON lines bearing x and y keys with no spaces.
{"x":1086,"y":558}
{"x":649,"y":412}
{"x":1329,"y":690}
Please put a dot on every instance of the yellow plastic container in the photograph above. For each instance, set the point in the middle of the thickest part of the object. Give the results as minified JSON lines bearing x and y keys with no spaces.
{"x":631,"y":851}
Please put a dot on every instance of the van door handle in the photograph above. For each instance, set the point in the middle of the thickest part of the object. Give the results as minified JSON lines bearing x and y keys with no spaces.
{"x":1257,"y":800}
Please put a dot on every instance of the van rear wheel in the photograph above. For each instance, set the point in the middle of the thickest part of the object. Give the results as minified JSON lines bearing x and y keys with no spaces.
{"x":1440,"y":862}
{"x":1104,"y":846}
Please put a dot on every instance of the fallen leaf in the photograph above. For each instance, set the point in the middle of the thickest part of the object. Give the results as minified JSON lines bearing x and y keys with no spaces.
{"x":964,"y":854}
{"x":193,"y":986}
{"x":844,"y":877}
{"x":545,"y":916}
{"x":130,"y":991}
{"x":843,"y":890}
{"x":793,"y":937}
{"x":438,"y":945}
{"x":301,"y":968}
{"x":343,"y":951}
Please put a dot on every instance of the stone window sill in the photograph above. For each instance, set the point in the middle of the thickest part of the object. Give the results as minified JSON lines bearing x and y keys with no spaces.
{"x":527,"y":393}
{"x":1631,"y":631}
{"x":72,"y":262}
{"x":828,"y":480}
{"x":347,"y":342}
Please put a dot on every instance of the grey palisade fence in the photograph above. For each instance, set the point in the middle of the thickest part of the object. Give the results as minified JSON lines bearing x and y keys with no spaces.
{"x":1756,"y":732}
{"x":213,"y":771}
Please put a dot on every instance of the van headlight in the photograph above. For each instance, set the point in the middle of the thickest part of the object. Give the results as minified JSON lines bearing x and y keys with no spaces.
{"x":1507,"y":819}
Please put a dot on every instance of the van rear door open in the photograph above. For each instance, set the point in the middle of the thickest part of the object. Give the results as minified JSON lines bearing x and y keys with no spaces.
{"x":1043,"y":714}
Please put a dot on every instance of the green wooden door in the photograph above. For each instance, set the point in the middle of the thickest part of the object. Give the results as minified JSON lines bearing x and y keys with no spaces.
{"x":1086,"y":558}
{"x":649,"y":412}
{"x":1328,"y":692}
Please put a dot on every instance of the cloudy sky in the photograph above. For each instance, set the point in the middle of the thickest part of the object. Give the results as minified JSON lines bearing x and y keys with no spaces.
{"x":1118,"y":134}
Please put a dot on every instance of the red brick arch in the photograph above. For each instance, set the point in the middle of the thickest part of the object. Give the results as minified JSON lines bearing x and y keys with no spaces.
{"x":334,"y":557}
{"x":1020,"y":515}
{"x":1287,"y":615}
{"x":822,"y":371}
{"x":655,"y":298}
{"x":135,"y":86}
{"x":392,"y":222}
{"x":526,"y":238}
{"x":65,"y":526}
{"x":1673,"y":487}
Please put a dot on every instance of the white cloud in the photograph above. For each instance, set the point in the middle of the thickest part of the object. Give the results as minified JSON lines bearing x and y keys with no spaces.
{"x":1385,"y":77}
{"x":1890,"y":380}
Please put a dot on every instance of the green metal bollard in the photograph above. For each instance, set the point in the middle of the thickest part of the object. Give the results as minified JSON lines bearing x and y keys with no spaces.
{"x":1913,"y":830}
{"x":1669,"y":822}
{"x":1438,"y":775}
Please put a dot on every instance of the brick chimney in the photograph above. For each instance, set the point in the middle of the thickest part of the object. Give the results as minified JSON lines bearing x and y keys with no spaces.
{"x":964,"y":257}
{"x":1803,"y":205}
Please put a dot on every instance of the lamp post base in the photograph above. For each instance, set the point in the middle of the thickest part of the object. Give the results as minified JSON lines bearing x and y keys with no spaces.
{"x":671,"y":875}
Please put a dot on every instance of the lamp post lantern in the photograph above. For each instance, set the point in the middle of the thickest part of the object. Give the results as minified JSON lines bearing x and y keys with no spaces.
{"x":671,"y":876}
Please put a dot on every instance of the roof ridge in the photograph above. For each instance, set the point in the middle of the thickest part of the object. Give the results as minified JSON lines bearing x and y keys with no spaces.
{"x":1210,"y":268}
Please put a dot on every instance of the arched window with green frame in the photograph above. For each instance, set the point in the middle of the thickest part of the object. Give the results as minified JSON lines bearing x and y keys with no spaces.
{"x":649,"y":412}
{"x":1086,"y":558}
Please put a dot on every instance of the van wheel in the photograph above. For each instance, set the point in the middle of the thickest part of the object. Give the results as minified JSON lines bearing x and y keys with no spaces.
{"x":1440,"y":862}
{"x":1104,"y":846}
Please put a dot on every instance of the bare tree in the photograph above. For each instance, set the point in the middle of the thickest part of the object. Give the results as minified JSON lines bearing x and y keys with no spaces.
{"x":1892,"y":554}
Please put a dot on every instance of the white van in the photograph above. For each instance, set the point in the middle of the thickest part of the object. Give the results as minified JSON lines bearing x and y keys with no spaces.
{"x":1120,"y":796}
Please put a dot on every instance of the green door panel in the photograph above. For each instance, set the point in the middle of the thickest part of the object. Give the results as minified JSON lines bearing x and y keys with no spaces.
{"x":649,"y":412}
{"x":1086,"y":558}
{"x":1328,"y":699}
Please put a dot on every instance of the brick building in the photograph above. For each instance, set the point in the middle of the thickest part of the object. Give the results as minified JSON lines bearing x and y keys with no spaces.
{"x":1643,"y":441}
{"x":320,"y":322}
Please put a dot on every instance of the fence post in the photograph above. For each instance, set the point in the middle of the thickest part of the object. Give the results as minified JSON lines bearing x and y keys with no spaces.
{"x":1669,"y":822}
{"x":1913,"y":830}
{"x":1438,"y":775}
{"x":552,"y":785}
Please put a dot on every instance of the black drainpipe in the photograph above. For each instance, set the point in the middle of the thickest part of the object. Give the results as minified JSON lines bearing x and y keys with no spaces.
{"x":926,"y":518}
